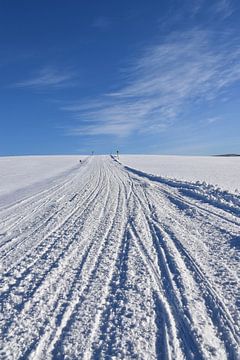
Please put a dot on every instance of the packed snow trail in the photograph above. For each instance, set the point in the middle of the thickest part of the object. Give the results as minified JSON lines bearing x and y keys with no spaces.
{"x":112,"y":263}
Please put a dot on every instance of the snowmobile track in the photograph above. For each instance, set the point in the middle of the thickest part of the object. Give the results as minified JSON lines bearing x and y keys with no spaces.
{"x":109,"y":262}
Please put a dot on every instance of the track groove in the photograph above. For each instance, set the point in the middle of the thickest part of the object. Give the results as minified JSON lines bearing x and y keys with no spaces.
{"x":112,"y":263}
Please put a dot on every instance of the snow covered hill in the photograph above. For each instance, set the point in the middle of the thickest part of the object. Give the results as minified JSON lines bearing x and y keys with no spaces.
{"x":108,"y":262}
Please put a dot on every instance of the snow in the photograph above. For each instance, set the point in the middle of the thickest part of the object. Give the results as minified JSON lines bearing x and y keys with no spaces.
{"x":101,"y":261}
{"x":220,"y":171}
{"x":17,"y":173}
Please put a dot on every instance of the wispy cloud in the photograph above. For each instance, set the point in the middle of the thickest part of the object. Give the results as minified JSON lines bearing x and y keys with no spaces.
{"x":217,"y":8}
{"x":210,"y":12}
{"x":224,"y":7}
{"x":47,"y":77}
{"x":183,"y":70}
{"x":213,"y":119}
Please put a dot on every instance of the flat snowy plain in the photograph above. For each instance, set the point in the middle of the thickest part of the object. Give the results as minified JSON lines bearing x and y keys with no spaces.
{"x":219,"y":171}
{"x":25,"y":174}
{"x":102,"y":261}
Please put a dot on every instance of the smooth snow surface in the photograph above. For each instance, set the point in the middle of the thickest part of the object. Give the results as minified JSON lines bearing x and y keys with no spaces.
{"x":19,"y":174}
{"x":110,"y":263}
{"x":220,"y":171}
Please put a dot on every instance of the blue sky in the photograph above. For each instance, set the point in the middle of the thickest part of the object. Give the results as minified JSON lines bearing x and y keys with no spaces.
{"x":153,"y":77}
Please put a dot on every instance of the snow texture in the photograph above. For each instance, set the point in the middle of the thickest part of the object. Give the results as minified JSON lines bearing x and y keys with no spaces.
{"x":108,"y":262}
{"x":20,"y":174}
{"x":219,"y":171}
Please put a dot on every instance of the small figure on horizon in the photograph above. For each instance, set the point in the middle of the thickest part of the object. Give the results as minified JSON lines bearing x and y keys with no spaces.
{"x":117,"y":154}
{"x":80,"y":161}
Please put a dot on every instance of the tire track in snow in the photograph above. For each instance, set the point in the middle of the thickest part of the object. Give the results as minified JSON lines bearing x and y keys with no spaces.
{"x":35,"y":268}
{"x":53,"y":200}
{"x":171,"y":229}
{"x":64,"y":212}
{"x":91,"y":261}
{"x":94,"y":292}
{"x":110,"y":275}
{"x":127,"y":310}
{"x":222,"y":201}
{"x":216,"y":310}
{"x":57,"y":182}
{"x":25,"y":208}
{"x":231,"y":348}
{"x":112,"y":326}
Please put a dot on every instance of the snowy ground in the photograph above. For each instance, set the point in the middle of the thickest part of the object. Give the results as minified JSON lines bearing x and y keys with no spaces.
{"x":108,"y":262}
{"x":220,"y":171}
{"x":21,"y":175}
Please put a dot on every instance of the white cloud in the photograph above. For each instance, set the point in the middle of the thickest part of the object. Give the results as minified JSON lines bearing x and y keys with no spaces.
{"x":184,"y":69}
{"x":224,"y":7}
{"x":217,"y":8}
{"x":213,"y":119}
{"x":47,"y":77}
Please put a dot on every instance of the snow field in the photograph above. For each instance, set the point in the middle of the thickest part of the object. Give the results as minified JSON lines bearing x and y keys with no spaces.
{"x":21,"y":175}
{"x":223,"y":172}
{"x":109,"y":262}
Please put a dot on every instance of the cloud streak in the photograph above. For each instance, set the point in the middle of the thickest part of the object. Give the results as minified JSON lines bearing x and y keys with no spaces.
{"x":219,"y":8}
{"x":183,"y":70}
{"x":47,"y":77}
{"x":224,"y":7}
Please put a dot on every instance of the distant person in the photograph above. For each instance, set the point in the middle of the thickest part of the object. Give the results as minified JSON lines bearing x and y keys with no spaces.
{"x":80,"y":161}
